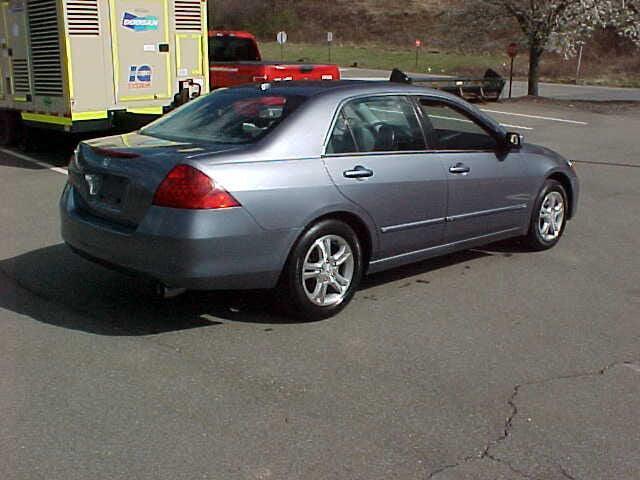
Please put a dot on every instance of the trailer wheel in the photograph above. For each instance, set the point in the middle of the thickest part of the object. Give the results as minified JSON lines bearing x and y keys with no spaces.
{"x":28,"y":140}
{"x":9,"y":128}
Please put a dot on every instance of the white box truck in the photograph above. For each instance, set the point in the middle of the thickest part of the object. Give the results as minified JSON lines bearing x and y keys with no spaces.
{"x":75,"y":65}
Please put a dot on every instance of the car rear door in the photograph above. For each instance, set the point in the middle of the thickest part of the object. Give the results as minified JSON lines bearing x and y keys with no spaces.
{"x":376,"y":156}
{"x":487,"y":192}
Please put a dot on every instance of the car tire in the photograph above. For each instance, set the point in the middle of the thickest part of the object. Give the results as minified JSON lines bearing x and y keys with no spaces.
{"x":549,"y":216}
{"x":316,"y":285}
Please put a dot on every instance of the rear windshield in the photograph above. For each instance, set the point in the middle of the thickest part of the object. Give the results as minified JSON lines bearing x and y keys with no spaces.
{"x":233,"y":49}
{"x":227,"y":116}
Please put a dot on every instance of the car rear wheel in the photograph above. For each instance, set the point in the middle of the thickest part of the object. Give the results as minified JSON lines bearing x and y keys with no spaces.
{"x":323,"y":271}
{"x":549,"y":216}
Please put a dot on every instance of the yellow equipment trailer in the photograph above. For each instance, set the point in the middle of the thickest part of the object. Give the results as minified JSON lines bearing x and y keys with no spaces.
{"x":74,"y":65}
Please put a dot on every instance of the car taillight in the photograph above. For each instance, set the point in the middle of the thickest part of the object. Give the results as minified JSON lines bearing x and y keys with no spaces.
{"x":188,"y":187}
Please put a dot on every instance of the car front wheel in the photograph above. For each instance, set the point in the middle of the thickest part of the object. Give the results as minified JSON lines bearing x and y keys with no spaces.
{"x":549,"y":216}
{"x":323,"y":271}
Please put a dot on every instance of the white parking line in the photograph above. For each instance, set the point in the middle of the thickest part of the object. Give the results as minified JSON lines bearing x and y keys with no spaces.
{"x":518,"y":127}
{"x":538,"y":117}
{"x":633,"y":366}
{"x":27,"y":158}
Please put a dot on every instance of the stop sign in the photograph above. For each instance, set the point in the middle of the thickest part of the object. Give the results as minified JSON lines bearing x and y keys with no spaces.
{"x":512,"y":50}
{"x":418,"y":43}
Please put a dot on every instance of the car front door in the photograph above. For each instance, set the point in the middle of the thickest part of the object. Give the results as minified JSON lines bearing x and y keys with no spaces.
{"x":376,"y":156}
{"x":487,"y":192}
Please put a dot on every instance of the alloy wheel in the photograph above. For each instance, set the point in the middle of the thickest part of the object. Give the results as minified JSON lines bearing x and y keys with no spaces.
{"x":551,"y":216}
{"x":328,"y":270}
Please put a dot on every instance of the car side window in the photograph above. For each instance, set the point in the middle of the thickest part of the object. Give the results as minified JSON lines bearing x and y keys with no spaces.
{"x":377,"y":124}
{"x":448,"y":128}
{"x":341,"y":139}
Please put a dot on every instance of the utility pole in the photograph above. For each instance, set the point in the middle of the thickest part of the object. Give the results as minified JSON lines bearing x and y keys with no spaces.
{"x":512,"y":51}
{"x":211,"y":17}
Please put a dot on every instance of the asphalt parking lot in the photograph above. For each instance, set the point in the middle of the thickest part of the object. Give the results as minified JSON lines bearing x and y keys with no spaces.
{"x":488,"y":364}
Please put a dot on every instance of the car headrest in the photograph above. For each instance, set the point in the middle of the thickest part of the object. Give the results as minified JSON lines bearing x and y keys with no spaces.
{"x":386,"y":138}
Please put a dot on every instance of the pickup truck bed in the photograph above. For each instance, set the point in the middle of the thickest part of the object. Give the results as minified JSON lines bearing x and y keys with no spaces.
{"x":228,"y":74}
{"x":235,"y":60}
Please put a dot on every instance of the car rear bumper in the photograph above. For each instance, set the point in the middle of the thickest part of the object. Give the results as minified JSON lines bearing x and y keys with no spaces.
{"x":194,"y":249}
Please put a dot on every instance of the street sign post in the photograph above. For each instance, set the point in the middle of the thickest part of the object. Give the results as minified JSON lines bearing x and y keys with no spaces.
{"x":512,"y":51}
{"x":579,"y":64}
{"x":282,"y":39}
{"x":329,"y":42}
{"x":418,"y":46}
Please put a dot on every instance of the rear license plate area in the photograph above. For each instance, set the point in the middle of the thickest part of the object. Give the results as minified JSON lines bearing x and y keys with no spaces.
{"x":112,"y":191}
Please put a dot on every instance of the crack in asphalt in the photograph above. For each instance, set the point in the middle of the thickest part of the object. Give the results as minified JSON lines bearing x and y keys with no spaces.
{"x":565,"y":474}
{"x":508,"y":425}
{"x":486,"y":452}
{"x":453,"y":465}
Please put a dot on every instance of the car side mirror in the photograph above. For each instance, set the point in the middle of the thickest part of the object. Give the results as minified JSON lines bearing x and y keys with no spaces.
{"x":513,"y":140}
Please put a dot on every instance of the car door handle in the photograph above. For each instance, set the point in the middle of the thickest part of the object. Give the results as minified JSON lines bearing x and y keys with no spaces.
{"x":459,"y":168}
{"x":358,"y":172}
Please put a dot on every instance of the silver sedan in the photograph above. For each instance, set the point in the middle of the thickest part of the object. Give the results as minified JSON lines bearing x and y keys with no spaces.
{"x":307,"y":187}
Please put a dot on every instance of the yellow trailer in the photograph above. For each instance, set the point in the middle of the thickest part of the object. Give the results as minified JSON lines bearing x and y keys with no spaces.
{"x":75,"y":65}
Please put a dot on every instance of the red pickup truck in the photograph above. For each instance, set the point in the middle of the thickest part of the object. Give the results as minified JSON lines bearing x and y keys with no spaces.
{"x":234,"y":59}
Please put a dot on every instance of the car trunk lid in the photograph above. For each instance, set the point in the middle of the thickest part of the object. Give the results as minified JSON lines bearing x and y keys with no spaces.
{"x":116,"y":177}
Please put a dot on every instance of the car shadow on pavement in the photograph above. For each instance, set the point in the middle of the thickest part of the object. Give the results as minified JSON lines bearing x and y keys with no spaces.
{"x":54,"y":286}
{"x":14,"y":162}
{"x":505,"y":248}
{"x":418,"y":269}
{"x":47,"y":146}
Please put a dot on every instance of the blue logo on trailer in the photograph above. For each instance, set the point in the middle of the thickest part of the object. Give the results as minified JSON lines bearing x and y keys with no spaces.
{"x":139,"y":24}
{"x":140,"y":76}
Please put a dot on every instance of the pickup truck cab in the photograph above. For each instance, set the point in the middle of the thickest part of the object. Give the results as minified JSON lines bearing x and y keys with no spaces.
{"x":234,"y":59}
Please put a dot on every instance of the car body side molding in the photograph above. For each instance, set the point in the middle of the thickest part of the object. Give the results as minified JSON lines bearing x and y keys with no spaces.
{"x":411,"y":257}
{"x":482,"y":213}
{"x":408,"y":226}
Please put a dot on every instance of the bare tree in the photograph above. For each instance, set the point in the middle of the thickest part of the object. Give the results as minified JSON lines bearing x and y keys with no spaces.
{"x":565,"y":24}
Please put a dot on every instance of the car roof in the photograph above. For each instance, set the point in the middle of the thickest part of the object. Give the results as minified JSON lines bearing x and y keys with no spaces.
{"x":313,"y":88}
{"x":303,"y":134}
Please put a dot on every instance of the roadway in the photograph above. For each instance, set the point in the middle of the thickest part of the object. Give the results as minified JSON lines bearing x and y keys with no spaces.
{"x":489,"y":364}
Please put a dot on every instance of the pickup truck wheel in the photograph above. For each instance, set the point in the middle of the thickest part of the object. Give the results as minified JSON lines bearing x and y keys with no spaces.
{"x":323,"y":271}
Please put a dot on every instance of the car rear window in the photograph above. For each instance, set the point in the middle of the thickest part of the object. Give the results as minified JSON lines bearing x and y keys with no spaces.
{"x":232,"y":49}
{"x":228,"y":116}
